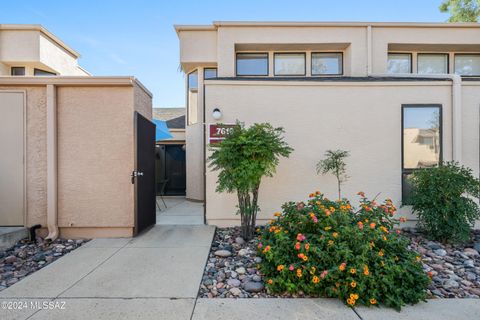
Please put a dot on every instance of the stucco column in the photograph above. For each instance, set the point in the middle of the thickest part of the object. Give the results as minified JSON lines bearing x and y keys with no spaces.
{"x":52,"y":213}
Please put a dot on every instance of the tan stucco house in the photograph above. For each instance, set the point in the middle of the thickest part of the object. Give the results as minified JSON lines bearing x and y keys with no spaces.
{"x":32,"y":50}
{"x":69,"y":141}
{"x":398,"y":96}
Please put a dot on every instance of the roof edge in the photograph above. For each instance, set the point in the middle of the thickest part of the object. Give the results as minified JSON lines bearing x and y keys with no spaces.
{"x":343,"y":24}
{"x":73,"y":81}
{"x":38,"y":27}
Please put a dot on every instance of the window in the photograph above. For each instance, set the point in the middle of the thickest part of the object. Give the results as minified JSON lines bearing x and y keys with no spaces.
{"x":467,"y":64}
{"x":209,"y":73}
{"x":421,"y":140}
{"x":432,"y":63}
{"x":399,"y":63}
{"x":17,"y":71}
{"x":192,"y":98}
{"x":289,"y":64}
{"x":252,"y":64}
{"x":327,"y":63}
{"x":40,"y":72}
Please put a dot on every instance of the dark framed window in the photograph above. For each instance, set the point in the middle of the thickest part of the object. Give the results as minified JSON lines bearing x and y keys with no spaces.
{"x":399,"y":63}
{"x":327,"y":63}
{"x":289,"y":64}
{"x":209,"y":73}
{"x":192,"y":97}
{"x":432,"y":63}
{"x":252,"y":64}
{"x":17,"y":71}
{"x":421,"y":141}
{"x":467,"y":64}
{"x":40,"y":72}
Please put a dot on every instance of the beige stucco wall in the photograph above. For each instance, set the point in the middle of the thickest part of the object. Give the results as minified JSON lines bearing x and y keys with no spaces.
{"x":354,"y":56}
{"x":95,"y":157}
{"x":95,"y":154}
{"x":381,"y":37}
{"x":198,"y":47}
{"x":57,"y":58}
{"x":32,"y":48}
{"x":364,"y":118}
{"x":470,"y":125}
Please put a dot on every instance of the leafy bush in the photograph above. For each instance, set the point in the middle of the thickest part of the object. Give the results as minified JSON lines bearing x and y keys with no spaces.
{"x":325,"y":248}
{"x":243,"y":158}
{"x":442,"y":199}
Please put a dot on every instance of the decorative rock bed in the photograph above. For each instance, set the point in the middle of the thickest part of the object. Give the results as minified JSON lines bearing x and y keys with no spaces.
{"x":231,"y":270}
{"x":455,"y":269}
{"x":24,"y":258}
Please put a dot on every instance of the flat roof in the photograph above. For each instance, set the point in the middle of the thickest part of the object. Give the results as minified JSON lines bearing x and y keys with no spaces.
{"x":96,"y":81}
{"x":40,"y":28}
{"x":216,"y":24}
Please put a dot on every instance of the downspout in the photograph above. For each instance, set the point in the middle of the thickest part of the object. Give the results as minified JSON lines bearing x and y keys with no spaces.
{"x":457,"y":147}
{"x":52,"y":213}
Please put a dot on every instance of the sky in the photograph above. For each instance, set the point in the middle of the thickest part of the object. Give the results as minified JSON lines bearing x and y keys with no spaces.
{"x":137,"y":38}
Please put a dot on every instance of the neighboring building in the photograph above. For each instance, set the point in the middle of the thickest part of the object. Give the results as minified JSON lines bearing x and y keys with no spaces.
{"x":31,"y":50}
{"x":398,"y":96}
{"x":171,"y":153}
{"x":78,"y":152}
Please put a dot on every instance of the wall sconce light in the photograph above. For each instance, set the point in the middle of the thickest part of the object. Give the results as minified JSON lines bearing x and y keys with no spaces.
{"x":216,"y":114}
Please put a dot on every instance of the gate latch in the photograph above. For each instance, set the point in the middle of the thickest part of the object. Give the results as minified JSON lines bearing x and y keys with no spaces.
{"x":135,"y":174}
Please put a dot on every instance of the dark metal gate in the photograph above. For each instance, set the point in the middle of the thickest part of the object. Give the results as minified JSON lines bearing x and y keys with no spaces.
{"x":144,"y":174}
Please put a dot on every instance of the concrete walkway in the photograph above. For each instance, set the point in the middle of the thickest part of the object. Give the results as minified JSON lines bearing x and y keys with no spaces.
{"x":157,"y":275}
{"x":153,"y":276}
{"x":179,"y":211}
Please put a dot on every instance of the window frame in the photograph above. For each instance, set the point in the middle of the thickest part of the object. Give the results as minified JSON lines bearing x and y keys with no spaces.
{"x":405,"y":53}
{"x":188,"y":96}
{"x":407,"y":171}
{"x":455,"y":54}
{"x":252,"y":75}
{"x":304,"y":54}
{"x":50,"y":74}
{"x":434,"y":54}
{"x":210,"y":68}
{"x":18,"y":67}
{"x":326,"y":74}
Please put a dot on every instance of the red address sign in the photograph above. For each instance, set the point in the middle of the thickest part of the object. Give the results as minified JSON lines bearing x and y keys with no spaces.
{"x":218,"y":132}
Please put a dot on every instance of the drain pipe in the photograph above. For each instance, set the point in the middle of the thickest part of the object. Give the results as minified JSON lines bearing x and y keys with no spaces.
{"x":457,"y":147}
{"x":52,"y":213}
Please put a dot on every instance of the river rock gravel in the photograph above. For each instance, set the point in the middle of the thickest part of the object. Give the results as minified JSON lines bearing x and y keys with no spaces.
{"x":24,"y":258}
{"x":232,"y":267}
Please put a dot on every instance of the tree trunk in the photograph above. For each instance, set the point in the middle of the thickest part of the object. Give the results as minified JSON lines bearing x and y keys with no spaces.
{"x":247,"y":205}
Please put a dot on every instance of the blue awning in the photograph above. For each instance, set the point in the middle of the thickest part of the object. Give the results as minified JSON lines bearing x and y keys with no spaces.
{"x":162,"y":131}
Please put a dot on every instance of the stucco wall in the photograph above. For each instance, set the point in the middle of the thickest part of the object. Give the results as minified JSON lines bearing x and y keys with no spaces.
{"x":95,"y":157}
{"x":470,"y":125}
{"x":36,"y":154}
{"x":19,"y":45}
{"x":57,"y":58}
{"x":142,"y":101}
{"x":355,"y":55}
{"x":362,"y":118}
{"x":194,"y":148}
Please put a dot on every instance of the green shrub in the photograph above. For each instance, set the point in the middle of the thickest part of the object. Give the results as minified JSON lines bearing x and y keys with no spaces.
{"x":243,"y":158}
{"x":442,"y":199}
{"x":325,"y":248}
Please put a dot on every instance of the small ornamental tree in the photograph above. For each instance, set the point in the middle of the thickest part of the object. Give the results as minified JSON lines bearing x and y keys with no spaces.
{"x":242,"y":159}
{"x":445,"y":201}
{"x":334,"y":163}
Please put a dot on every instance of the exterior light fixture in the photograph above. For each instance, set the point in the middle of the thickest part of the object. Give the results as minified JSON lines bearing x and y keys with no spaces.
{"x":216,"y":114}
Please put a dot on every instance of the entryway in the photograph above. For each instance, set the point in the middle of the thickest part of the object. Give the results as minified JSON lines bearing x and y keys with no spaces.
{"x":179,"y":211}
{"x":171,"y":169}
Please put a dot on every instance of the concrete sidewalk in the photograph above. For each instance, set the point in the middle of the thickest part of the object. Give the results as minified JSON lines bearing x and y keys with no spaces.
{"x":157,"y":275}
{"x":153,"y":276}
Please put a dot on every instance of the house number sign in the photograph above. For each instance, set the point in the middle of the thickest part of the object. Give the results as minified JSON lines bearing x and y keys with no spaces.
{"x":218,"y":131}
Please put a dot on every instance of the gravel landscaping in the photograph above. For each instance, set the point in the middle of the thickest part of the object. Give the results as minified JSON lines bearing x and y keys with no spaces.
{"x":24,"y":258}
{"x":231,"y":270}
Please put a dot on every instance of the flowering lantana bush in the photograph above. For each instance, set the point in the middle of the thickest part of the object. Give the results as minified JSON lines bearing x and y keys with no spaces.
{"x":326,"y":248}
